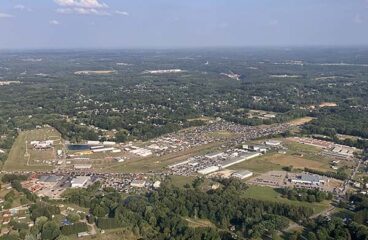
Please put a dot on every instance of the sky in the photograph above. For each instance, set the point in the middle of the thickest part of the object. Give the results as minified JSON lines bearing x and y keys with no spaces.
{"x":49,"y":24}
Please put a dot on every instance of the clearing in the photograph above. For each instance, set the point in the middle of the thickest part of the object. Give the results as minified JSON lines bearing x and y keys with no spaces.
{"x":270,"y":194}
{"x":199,"y":223}
{"x":19,"y":159}
{"x":300,"y":121}
{"x":298,"y":155}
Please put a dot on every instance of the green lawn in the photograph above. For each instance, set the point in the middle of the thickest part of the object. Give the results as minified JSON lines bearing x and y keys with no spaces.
{"x":269,"y":194}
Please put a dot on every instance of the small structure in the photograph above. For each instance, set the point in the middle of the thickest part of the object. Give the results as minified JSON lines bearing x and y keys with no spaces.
{"x":242,"y":174}
{"x":156,"y":184}
{"x":82,"y":166}
{"x":273,"y":143}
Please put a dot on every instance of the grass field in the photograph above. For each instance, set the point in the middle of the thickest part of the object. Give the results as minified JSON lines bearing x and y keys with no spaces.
{"x":19,"y":160}
{"x":298,"y":155}
{"x":269,"y":194}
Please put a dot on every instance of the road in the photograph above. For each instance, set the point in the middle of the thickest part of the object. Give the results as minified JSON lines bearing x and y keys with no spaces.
{"x":326,"y":212}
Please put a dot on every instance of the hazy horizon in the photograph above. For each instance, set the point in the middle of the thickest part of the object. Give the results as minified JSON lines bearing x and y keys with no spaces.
{"x":173,"y":24}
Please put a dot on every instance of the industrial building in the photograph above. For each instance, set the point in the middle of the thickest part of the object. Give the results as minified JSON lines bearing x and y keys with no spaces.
{"x":79,"y":181}
{"x":310,"y":179}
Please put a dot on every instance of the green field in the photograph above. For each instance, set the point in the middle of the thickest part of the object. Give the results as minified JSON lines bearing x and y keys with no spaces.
{"x":269,"y":194}
{"x":19,"y":159}
{"x":298,"y":155}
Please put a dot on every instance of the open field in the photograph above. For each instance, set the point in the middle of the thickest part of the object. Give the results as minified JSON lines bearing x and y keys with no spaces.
{"x":298,"y":155}
{"x":296,"y":162}
{"x":20,"y":159}
{"x":180,"y":181}
{"x":269,"y":194}
{"x":199,"y":223}
{"x":300,"y":121}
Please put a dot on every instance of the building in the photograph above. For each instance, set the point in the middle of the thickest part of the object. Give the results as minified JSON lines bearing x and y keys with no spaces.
{"x":209,"y":170}
{"x":82,"y":166}
{"x":273,"y":143}
{"x":157,"y":184}
{"x":93,"y":142}
{"x":107,"y":143}
{"x":142,"y":152}
{"x":42,"y":144}
{"x":59,"y":152}
{"x":103,"y":149}
{"x":79,"y":182}
{"x":242,"y":174}
{"x":138,"y":183}
{"x":310,"y":179}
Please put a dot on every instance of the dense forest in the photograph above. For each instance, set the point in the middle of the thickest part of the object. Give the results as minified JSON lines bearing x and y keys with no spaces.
{"x":161,"y":214}
{"x":166,"y":213}
{"x":130,"y":103}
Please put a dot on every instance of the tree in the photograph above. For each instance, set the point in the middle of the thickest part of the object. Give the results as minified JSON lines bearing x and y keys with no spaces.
{"x":73,"y":217}
{"x":50,"y":230}
{"x":121,"y":136}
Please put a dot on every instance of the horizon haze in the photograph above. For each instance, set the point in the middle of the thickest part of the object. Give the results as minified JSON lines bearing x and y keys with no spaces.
{"x":64,"y":24}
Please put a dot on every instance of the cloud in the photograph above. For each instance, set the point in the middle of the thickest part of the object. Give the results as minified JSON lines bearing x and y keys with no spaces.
{"x":124,"y":13}
{"x":81,"y":4}
{"x":21,"y":7}
{"x":5,"y":15}
{"x":54,"y":22}
{"x":82,"y":7}
{"x":83,"y":11}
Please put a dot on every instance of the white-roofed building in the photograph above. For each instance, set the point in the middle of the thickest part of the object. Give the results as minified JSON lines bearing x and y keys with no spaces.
{"x":79,"y":181}
{"x":242,"y":174}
